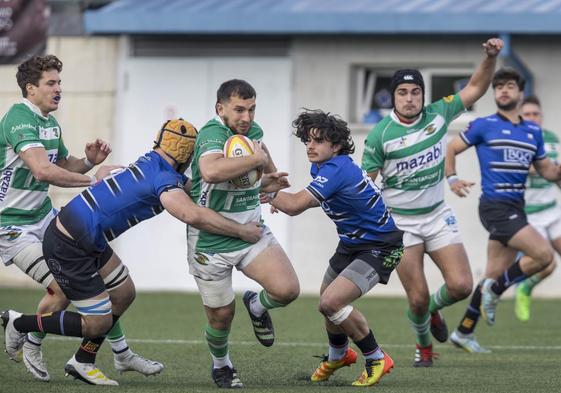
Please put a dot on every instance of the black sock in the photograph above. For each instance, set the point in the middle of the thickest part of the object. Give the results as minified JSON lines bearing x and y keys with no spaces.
{"x":63,"y":323}
{"x":337,"y":340}
{"x":88,"y":349}
{"x":368,"y":344}
{"x":510,"y":276}
{"x":467,"y":325}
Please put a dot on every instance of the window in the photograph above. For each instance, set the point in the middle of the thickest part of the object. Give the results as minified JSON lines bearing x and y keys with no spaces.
{"x":373,"y":98}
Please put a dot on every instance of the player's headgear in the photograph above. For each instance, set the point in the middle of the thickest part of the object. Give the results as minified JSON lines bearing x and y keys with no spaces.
{"x":177,"y":139}
{"x":407,"y":76}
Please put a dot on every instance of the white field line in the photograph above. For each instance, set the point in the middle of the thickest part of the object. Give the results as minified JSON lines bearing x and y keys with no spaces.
{"x":314,"y":344}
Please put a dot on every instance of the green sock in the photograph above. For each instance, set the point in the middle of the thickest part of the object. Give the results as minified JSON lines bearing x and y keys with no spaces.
{"x":116,"y":332}
{"x":440,"y":299}
{"x":217,"y":341}
{"x":421,"y":327}
{"x":528,"y":284}
{"x":268,"y":302}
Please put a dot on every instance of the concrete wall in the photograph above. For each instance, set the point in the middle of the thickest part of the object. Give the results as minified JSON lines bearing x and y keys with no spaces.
{"x":320,"y":77}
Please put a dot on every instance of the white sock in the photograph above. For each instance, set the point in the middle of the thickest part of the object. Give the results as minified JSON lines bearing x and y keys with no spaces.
{"x":337,"y":353}
{"x":120,"y":346}
{"x":33,"y":339}
{"x":256,"y":307}
{"x":221,"y":362}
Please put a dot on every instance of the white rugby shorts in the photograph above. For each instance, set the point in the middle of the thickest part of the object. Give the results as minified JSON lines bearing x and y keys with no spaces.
{"x":436,"y":229}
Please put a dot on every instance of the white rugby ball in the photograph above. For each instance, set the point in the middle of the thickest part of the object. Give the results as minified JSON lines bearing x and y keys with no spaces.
{"x":242,"y":146}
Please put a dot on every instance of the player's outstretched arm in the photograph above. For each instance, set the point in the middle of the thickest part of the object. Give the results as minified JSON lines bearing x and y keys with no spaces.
{"x":43,"y":170}
{"x":96,"y":152}
{"x":548,"y":169}
{"x":294,"y":204}
{"x":458,"y":186}
{"x":481,"y":78}
{"x":179,"y":205}
{"x":215,"y":168}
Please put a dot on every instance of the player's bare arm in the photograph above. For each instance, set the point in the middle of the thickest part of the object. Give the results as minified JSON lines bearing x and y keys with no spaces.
{"x":96,"y":152}
{"x":179,"y":205}
{"x":458,"y":186}
{"x":274,"y":182}
{"x":481,"y":78}
{"x":270,"y":167}
{"x":548,"y":169}
{"x":43,"y":170}
{"x":294,"y":203}
{"x":215,"y":168}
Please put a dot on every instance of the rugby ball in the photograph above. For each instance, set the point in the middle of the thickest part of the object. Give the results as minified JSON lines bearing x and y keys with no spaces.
{"x":242,"y":146}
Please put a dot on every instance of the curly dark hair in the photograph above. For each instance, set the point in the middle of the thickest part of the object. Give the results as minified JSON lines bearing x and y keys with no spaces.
{"x":330,"y":127}
{"x":30,"y":71}
{"x":505,"y":74}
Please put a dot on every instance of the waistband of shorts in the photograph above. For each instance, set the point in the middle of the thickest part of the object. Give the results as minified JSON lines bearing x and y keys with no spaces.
{"x":516,"y":203}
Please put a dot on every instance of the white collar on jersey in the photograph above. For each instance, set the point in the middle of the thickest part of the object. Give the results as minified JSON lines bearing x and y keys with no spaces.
{"x":34,"y":108}
{"x":397,"y":120}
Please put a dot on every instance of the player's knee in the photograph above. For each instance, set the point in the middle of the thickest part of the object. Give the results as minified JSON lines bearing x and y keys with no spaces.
{"x":328,"y":305}
{"x":544,"y":257}
{"x":460,"y":289}
{"x":96,"y":325}
{"x":289,"y":294}
{"x":54,"y":300}
{"x":418,"y":303}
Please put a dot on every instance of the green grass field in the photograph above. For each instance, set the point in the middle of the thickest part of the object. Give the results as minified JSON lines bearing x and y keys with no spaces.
{"x":168,"y":327}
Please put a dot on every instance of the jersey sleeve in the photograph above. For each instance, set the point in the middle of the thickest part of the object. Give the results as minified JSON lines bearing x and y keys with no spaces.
{"x":20,"y":133}
{"x":327,"y":182}
{"x":473,"y":134}
{"x":540,"y":152}
{"x":62,"y":150}
{"x":168,"y":180}
{"x":211,"y":140}
{"x":450,"y":107}
{"x":373,"y":156}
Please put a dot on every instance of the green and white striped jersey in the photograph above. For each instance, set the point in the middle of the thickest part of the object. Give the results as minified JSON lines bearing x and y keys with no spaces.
{"x":540,"y":193}
{"x":23,"y":199}
{"x":237,"y":204}
{"x":410,"y":157}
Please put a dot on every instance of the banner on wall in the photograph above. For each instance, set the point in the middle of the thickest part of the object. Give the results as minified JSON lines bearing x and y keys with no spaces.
{"x":23,"y":29}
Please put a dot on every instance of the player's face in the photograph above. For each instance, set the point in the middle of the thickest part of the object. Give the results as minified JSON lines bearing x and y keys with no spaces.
{"x":408,"y":100}
{"x":507,"y":95}
{"x":46,"y":96}
{"x":237,"y":114}
{"x":319,"y":149}
{"x":533,"y":113}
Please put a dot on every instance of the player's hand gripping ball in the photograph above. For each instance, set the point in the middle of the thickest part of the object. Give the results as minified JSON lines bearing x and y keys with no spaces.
{"x":242,"y":146}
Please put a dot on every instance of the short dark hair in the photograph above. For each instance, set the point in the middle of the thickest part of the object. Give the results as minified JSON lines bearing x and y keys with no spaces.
{"x":330,"y":127}
{"x":532,"y":99}
{"x":30,"y":71}
{"x":233,"y":88}
{"x":505,"y":74}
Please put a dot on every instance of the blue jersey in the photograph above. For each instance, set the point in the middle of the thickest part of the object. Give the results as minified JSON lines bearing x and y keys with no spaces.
{"x":505,"y":151}
{"x":102,"y":212}
{"x":351,"y":199}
